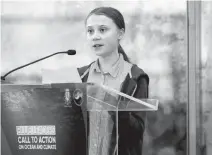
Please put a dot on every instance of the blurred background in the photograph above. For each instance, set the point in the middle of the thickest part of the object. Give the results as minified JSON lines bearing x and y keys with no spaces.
{"x":155,"y":39}
{"x":205,"y":68}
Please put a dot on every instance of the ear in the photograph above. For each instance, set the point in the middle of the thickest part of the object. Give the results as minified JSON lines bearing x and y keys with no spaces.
{"x":121,"y":33}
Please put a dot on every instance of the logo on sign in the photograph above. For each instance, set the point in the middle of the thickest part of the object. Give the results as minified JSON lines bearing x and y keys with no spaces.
{"x":67,"y":98}
{"x":78,"y":97}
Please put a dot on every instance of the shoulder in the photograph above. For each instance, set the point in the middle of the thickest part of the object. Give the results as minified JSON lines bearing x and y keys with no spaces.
{"x":139,"y":74}
{"x":82,"y":69}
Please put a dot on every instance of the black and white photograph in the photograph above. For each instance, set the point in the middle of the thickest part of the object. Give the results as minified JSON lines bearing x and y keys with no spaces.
{"x":106,"y":77}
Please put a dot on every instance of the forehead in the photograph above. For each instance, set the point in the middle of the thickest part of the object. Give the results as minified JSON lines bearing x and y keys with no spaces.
{"x":97,"y":20}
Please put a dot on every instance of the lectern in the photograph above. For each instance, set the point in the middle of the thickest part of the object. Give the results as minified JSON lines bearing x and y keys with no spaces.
{"x":52,"y":119}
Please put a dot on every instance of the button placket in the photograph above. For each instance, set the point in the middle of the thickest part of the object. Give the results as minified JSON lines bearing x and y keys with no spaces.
{"x":95,"y":134}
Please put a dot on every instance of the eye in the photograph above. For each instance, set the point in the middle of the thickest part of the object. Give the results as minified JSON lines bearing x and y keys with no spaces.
{"x":102,"y":30}
{"x":89,"y":31}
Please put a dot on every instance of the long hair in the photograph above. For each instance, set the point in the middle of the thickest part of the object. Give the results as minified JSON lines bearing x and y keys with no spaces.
{"x":117,"y":18}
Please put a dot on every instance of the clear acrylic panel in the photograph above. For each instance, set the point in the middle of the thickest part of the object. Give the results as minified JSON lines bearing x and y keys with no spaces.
{"x":103,"y":106}
{"x":100,"y":97}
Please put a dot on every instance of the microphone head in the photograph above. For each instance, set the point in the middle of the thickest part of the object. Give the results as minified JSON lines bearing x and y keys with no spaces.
{"x":71,"y":52}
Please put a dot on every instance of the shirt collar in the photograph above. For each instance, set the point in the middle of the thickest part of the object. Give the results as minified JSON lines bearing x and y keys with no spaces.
{"x":114,"y":69}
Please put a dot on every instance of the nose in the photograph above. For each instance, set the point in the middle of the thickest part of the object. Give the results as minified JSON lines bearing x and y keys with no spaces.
{"x":96,"y":36}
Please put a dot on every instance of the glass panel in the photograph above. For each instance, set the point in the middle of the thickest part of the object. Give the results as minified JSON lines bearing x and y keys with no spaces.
{"x":104,"y":105}
{"x":111,"y":99}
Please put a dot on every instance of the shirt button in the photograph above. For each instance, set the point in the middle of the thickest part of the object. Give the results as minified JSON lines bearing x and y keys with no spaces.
{"x":95,"y":145}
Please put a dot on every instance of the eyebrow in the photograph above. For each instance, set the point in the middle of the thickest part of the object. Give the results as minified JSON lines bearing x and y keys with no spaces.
{"x":99,"y":26}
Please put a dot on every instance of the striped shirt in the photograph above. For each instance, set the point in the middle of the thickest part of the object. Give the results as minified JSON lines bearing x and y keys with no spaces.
{"x":101,"y":123}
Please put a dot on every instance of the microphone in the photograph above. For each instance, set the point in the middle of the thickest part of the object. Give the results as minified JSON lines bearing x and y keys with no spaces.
{"x":69,"y":52}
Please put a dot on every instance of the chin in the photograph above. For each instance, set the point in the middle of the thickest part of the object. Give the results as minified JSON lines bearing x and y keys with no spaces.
{"x":100,"y":53}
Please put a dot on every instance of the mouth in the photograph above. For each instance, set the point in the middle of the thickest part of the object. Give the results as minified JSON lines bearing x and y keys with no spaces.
{"x":98,"y":45}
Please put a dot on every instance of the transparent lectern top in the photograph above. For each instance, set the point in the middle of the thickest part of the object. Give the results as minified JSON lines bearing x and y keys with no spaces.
{"x":100,"y":97}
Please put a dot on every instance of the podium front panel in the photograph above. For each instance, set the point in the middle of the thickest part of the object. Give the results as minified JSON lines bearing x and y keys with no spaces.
{"x":44,"y":120}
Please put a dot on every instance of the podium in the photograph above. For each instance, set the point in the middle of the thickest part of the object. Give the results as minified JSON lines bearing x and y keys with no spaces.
{"x":65,"y":118}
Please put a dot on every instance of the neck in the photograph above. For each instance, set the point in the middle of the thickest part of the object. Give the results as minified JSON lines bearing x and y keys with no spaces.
{"x":107,"y":61}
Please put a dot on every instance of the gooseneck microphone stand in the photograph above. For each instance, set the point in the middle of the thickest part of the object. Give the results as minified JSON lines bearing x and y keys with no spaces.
{"x":69,"y":52}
